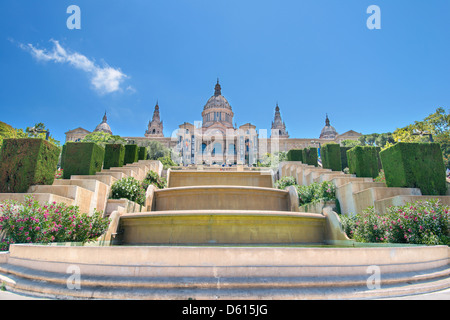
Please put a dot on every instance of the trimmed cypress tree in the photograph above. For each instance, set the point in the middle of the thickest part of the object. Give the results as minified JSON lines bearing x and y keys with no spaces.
{"x":83,"y":158}
{"x":363,"y":161}
{"x":344,"y":160}
{"x":415,"y":165}
{"x":114,"y":156}
{"x":295,"y":155}
{"x":331,"y":156}
{"x":142,"y":153}
{"x":27,"y":162}
{"x":310,"y":156}
{"x":131,"y":153}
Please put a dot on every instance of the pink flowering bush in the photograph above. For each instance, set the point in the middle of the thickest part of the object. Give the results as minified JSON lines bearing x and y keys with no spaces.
{"x":31,"y":222}
{"x":423,"y":222}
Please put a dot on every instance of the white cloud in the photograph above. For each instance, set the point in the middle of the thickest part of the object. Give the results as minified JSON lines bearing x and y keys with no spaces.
{"x":104,"y":79}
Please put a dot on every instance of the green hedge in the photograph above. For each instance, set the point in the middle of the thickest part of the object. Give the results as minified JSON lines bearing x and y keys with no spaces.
{"x":344,"y":160}
{"x":63,"y":155}
{"x":415,"y":165}
{"x":131,"y":153}
{"x":310,"y":156}
{"x":83,"y":158}
{"x":142,"y":153}
{"x":27,"y":162}
{"x":331,"y":156}
{"x":295,"y":155}
{"x":114,"y":156}
{"x":364,"y":161}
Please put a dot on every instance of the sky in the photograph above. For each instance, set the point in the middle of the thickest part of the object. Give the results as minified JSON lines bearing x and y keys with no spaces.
{"x":312,"y":57}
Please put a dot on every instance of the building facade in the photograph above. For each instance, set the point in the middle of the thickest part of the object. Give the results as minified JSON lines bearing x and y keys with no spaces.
{"x":215,"y":140}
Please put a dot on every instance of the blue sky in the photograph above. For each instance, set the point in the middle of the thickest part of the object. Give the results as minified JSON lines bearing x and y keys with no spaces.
{"x":312,"y":57}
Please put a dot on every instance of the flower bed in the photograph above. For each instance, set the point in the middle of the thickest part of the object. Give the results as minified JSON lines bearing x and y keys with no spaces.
{"x":423,"y":222}
{"x":30,"y":222}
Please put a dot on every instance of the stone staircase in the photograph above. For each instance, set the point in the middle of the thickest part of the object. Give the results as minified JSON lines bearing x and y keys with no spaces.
{"x":171,"y":269}
{"x":225,"y":273}
{"x":355,"y":194}
{"x":86,"y":192}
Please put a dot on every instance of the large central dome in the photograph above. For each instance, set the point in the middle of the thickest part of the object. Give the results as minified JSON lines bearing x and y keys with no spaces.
{"x":217,"y":100}
{"x":217,"y":111}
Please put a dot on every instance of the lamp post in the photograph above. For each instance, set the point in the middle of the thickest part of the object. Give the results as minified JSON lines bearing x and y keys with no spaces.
{"x":36,"y":131}
{"x":423,"y":133}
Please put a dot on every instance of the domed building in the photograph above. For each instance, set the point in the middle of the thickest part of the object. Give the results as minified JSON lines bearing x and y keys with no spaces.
{"x":78,"y":134}
{"x":328,"y":132}
{"x":104,"y":126}
{"x":217,"y":111}
{"x":215,"y":140}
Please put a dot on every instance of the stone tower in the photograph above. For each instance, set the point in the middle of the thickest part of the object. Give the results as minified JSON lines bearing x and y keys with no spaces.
{"x":278,"y":126}
{"x":155,"y":127}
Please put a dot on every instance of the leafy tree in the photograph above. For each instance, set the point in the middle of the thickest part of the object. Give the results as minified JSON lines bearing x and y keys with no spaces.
{"x":435,"y":127}
{"x":350,"y":143}
{"x":167,"y":162}
{"x":6,"y":132}
{"x":103,"y":138}
{"x":157,"y":150}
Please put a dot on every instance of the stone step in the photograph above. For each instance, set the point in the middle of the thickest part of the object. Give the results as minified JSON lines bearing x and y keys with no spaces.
{"x":346,"y":193}
{"x":328,"y":176}
{"x":340,"y":181}
{"x":401,"y":200}
{"x":129,"y":172}
{"x":368,"y":197}
{"x":82,"y":197}
{"x":139,"y":170}
{"x":42,"y":198}
{"x":100,"y":191}
{"x":55,"y":285}
{"x":114,"y":174}
{"x":104,"y":178}
{"x":209,"y":227}
{"x":221,"y":197}
{"x":185,"y":178}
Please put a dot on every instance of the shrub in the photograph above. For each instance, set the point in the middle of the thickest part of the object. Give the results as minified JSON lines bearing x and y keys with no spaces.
{"x":363,"y":161}
{"x":128,"y":188}
{"x":310,"y":156}
{"x":131,"y":153}
{"x":423,"y":222}
{"x":167,"y":162}
{"x":63,"y":156}
{"x":285,"y":182}
{"x":316,"y":192}
{"x":114,"y":156}
{"x":30,"y":222}
{"x":27,"y":162}
{"x":142,"y":153}
{"x":295,"y":155}
{"x":415,"y":165}
{"x":153,"y":178}
{"x":6,"y":132}
{"x":344,"y":161}
{"x":83,"y":158}
{"x":331,"y":156}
